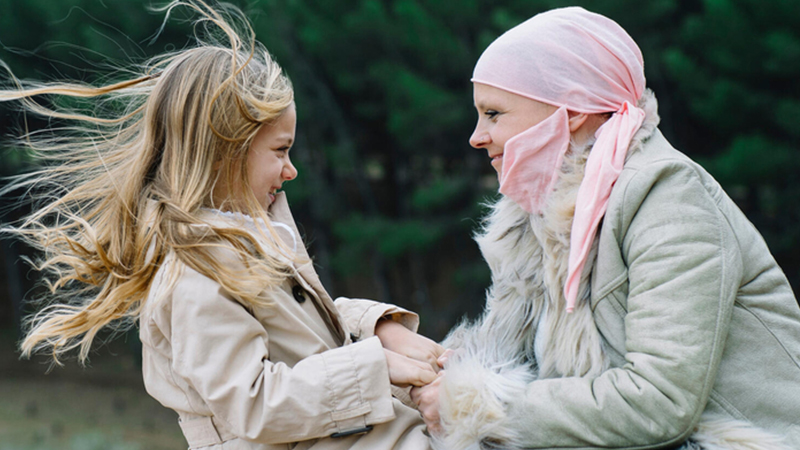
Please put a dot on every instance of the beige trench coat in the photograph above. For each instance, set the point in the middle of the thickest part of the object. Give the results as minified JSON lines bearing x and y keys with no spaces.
{"x":285,"y":377}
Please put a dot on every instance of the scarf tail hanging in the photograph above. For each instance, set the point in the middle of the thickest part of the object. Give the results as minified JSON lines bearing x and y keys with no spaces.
{"x":602,"y":170}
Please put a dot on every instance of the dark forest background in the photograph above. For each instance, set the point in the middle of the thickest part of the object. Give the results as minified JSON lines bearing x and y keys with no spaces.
{"x":389,"y":190}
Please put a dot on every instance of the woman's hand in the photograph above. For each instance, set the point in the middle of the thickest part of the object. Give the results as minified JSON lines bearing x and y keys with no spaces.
{"x":404,"y":371}
{"x":427,"y":400}
{"x":399,"y":339}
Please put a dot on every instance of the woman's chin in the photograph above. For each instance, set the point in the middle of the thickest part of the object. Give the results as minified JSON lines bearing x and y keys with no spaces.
{"x":497,"y":163}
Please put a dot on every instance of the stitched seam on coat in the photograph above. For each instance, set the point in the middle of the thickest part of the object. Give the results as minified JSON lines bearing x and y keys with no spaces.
{"x":161,"y":304}
{"x":628,"y":185}
{"x":360,"y":323}
{"x":617,"y":305}
{"x":621,"y":278}
{"x":726,"y":405}
{"x":331,"y":391}
{"x":763,"y":324}
{"x":362,"y":410}
{"x":709,"y":380}
{"x":358,"y":380}
{"x":183,"y":391}
{"x":610,"y":287}
{"x":172,"y":375}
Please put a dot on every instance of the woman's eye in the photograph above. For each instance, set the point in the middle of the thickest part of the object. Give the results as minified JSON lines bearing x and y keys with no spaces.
{"x":491,"y":114}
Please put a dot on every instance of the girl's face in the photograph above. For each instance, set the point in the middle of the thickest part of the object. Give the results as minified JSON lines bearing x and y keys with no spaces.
{"x":501,"y":116}
{"x":268,"y":163}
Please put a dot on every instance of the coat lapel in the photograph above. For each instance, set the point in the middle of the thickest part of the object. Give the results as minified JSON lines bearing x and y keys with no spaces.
{"x":304,"y":269}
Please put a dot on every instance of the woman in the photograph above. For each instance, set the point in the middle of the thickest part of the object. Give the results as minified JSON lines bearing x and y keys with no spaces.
{"x":632,"y":305}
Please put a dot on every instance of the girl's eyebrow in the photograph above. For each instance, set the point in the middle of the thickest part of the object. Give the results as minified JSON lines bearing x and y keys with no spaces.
{"x":285,"y":138}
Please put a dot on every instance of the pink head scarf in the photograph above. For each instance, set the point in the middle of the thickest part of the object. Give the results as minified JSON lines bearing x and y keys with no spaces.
{"x":578,"y":61}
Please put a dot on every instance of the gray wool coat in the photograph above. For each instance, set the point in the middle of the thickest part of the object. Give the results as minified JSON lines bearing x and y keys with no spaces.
{"x":697,"y":316}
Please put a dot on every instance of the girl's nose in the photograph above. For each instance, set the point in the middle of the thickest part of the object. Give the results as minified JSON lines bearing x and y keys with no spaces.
{"x":289,"y":172}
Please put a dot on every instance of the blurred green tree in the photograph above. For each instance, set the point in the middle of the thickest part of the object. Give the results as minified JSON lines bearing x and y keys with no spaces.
{"x":389,"y":190}
{"x":735,"y":65}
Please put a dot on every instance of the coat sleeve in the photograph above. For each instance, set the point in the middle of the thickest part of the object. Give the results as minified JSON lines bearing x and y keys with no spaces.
{"x":361,"y":315}
{"x":221,"y":350}
{"x":684,"y":269}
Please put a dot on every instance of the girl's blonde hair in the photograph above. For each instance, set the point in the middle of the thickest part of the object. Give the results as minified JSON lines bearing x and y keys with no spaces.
{"x":121,"y":189}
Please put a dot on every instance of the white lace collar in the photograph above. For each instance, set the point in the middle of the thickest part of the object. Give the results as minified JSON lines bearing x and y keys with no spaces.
{"x":254,"y":222}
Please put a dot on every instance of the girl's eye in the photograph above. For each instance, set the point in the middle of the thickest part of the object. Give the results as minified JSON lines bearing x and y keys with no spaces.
{"x":491,"y":114}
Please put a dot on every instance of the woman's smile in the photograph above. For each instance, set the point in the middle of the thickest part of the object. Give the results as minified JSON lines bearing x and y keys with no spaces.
{"x":497,"y":162}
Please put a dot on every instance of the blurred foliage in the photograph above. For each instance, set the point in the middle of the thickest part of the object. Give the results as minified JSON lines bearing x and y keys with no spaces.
{"x":389,"y":189}
{"x":735,"y":64}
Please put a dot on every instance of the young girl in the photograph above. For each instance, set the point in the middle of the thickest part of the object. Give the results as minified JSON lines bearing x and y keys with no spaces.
{"x":169,"y":214}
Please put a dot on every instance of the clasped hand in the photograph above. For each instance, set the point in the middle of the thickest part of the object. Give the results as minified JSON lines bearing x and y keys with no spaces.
{"x":414,"y":360}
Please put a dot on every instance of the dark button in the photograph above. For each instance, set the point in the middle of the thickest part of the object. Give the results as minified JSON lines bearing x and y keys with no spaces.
{"x":364,"y":430}
{"x":299,"y":294}
{"x":353,"y":337}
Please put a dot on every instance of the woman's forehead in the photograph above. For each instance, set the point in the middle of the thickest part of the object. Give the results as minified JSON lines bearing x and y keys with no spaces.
{"x":486,"y":96}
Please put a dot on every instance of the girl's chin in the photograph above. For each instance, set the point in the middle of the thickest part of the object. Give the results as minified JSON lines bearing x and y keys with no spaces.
{"x":270,"y":199}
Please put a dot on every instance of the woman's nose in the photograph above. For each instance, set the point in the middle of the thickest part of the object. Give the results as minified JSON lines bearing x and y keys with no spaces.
{"x":289,"y":172}
{"x":479,"y":138}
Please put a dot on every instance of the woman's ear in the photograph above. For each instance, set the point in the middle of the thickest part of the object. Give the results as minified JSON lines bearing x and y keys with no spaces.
{"x":576,"y":120}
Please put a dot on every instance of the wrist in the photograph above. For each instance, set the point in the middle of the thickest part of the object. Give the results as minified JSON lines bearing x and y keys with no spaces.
{"x":386,"y":329}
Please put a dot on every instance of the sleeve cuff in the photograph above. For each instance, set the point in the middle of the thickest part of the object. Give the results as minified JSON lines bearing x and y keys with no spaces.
{"x":362,"y":315}
{"x":368,"y":400}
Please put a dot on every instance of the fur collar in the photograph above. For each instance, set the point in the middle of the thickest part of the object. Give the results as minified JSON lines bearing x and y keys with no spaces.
{"x":528,"y":255}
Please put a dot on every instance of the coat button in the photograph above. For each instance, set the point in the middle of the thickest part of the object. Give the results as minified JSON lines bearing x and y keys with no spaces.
{"x":299,"y":294}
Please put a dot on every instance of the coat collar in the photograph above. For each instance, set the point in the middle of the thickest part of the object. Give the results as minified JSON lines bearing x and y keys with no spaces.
{"x":283,"y":224}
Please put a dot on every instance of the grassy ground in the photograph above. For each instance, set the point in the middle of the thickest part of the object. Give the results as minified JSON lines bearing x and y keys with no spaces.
{"x":101,"y":407}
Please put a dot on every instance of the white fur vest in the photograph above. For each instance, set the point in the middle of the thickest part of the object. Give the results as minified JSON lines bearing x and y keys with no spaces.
{"x":525,"y":333}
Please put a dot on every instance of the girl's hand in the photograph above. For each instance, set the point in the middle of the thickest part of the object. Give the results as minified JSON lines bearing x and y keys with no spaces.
{"x":399,"y":339}
{"x":427,"y":400}
{"x":404,"y":371}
